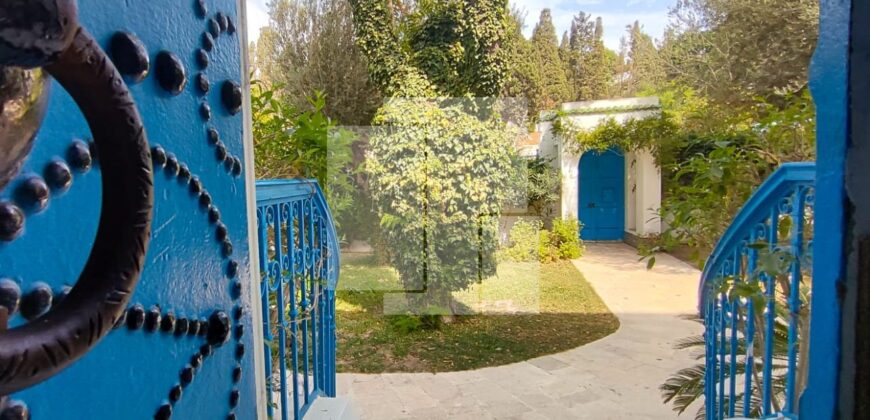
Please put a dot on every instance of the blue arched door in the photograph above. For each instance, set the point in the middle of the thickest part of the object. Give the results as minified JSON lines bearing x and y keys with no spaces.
{"x":602,"y":196}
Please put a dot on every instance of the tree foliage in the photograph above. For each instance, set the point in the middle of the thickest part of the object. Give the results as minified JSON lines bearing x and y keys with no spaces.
{"x":590,"y":64}
{"x":738,"y":50}
{"x":439,"y":160}
{"x":289,"y":143}
{"x":553,"y":87}
{"x":309,"y":46}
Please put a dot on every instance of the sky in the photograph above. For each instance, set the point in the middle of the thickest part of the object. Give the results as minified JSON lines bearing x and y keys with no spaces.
{"x":617,"y":14}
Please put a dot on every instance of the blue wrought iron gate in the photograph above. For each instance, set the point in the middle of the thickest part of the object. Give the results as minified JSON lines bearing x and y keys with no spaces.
{"x":77,"y":227}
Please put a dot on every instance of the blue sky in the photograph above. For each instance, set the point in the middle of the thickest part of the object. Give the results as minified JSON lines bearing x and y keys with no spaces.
{"x":617,"y":14}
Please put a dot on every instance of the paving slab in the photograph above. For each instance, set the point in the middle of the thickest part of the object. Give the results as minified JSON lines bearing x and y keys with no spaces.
{"x":616,"y":377}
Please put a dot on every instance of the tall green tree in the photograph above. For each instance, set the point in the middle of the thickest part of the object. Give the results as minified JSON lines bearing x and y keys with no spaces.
{"x":646,"y":69}
{"x":524,"y":76}
{"x":590,"y":63}
{"x":554,"y":87}
{"x":309,"y":46}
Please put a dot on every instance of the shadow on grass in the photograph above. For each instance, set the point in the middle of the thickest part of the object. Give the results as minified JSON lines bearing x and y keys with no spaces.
{"x":567,"y":314}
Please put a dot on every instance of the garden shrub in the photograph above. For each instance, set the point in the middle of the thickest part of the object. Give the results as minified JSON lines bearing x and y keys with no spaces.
{"x":563,"y":243}
{"x":523,"y":241}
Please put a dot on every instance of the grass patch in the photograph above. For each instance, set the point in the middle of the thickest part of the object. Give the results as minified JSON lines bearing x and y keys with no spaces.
{"x":527,"y":310}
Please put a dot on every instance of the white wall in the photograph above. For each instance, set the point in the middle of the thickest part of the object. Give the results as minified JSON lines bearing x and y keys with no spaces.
{"x":643,"y":203}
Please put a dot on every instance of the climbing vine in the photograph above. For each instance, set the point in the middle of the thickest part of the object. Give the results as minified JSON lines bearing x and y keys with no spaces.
{"x":649,"y":133}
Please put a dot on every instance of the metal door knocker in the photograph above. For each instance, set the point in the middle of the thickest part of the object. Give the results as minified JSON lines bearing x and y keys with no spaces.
{"x":44,"y":36}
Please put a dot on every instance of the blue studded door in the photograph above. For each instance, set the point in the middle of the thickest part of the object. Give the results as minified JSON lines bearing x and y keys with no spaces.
{"x":602,"y":200}
{"x":125,"y":272}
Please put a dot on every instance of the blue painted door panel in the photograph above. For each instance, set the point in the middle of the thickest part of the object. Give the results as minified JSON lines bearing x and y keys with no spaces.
{"x":602,"y":196}
{"x":189,"y":271}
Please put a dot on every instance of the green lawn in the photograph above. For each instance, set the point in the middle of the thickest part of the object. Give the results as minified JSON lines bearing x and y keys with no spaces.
{"x":525,"y":311}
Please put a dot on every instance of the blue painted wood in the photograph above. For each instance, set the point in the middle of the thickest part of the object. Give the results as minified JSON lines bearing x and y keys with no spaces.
{"x":602,"y":195}
{"x":733,"y":279}
{"x":129,"y":374}
{"x":829,"y":83}
{"x":305,"y":265}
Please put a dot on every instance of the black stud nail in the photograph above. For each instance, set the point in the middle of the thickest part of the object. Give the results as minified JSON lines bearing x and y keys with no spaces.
{"x":152,"y":319}
{"x":222,"y":20}
{"x":220,"y":231}
{"x":228,"y":163}
{"x":159,"y":155}
{"x":164,"y":412}
{"x":175,"y":393}
{"x":33,"y":193}
{"x":202,"y":58}
{"x":237,"y":166}
{"x":232,"y":269}
{"x":213,"y":136}
{"x":186,"y":375}
{"x":11,"y":221}
{"x":239,"y":331}
{"x":231,"y":27}
{"x":234,"y":398}
{"x":195,"y":185}
{"x":220,"y":151}
{"x":231,"y":95}
{"x":193,"y":329}
{"x":15,"y":410}
{"x":196,"y":360}
{"x":226,"y":248}
{"x":218,"y":328}
{"x":10,"y":295}
{"x":207,"y":41}
{"x":172,"y":166}
{"x":237,"y":373}
{"x":79,"y":155}
{"x":240,"y":351}
{"x":203,"y":327}
{"x":205,"y":350}
{"x":170,"y":71}
{"x":202,"y":83}
{"x":135,"y":317}
{"x":231,"y":416}
{"x":201,"y":9}
{"x":58,"y":175}
{"x":238,"y":312}
{"x":204,"y":198}
{"x":130,"y":56}
{"x":236,"y":289}
{"x":37,"y":301}
{"x":181,"y":326}
{"x":205,"y":111}
{"x":183,"y":171}
{"x":214,"y":215}
{"x":167,"y":324}
{"x":214,"y":28}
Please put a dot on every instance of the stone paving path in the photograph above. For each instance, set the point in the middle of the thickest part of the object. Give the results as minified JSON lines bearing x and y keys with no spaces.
{"x":616,"y":377}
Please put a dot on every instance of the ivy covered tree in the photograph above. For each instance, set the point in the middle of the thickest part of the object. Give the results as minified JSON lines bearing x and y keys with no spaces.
{"x":439,"y":160}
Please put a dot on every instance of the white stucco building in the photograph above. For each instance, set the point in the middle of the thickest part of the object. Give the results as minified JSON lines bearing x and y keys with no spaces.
{"x":615,"y":194}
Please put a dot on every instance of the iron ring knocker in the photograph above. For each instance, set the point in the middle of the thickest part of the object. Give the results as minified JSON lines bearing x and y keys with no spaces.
{"x":35,"y":351}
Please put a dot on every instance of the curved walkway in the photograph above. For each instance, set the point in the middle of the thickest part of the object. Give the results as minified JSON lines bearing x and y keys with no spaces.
{"x":616,"y":377}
